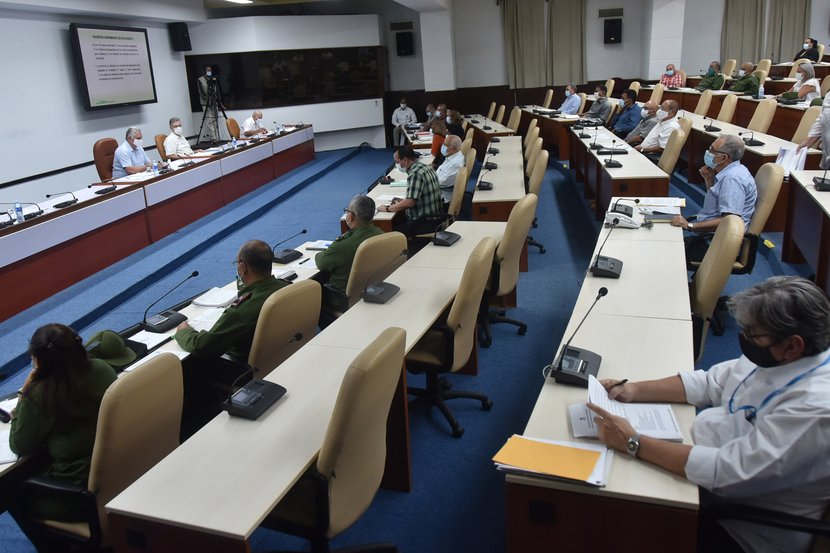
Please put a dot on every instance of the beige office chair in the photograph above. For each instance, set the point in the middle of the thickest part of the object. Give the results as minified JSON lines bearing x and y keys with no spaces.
{"x":685,"y":124}
{"x":458,"y":190}
{"x":375,"y":259}
{"x":233,"y":127}
{"x":287,"y":321}
{"x":724,"y":78}
{"x":548,"y":98}
{"x":505,"y":273}
{"x":533,"y":125}
{"x":761,"y":75}
{"x":704,"y":102}
{"x":466,"y":145}
{"x":727,"y":108}
{"x":515,"y":119}
{"x":470,"y":134}
{"x":762,"y":118}
{"x":492,"y":111}
{"x":635,"y":86}
{"x":807,"y":120}
{"x":764,"y":65}
{"x":530,"y":142}
{"x":657,"y":94}
{"x":825,"y":86}
{"x":710,"y":278}
{"x":159,"y":138}
{"x":583,"y":98}
{"x":729,"y":67}
{"x":500,"y":114}
{"x":820,"y":48}
{"x":138,"y":425}
{"x":470,"y":161}
{"x":530,"y":162}
{"x":796,"y":63}
{"x":447,"y":347}
{"x":609,"y":86}
{"x":615,"y":107}
{"x":103,"y":153}
{"x":668,"y":159}
{"x":341,"y":485}
{"x":534,"y":186}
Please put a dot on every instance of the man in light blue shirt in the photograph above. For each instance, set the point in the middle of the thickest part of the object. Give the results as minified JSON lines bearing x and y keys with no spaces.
{"x":730,"y":190}
{"x":629,"y":116}
{"x":130,"y":157}
{"x":572,"y":101}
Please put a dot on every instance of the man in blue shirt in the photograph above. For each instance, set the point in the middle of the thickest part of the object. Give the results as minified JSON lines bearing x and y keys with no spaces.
{"x":572,"y":101}
{"x":130,"y":157}
{"x":730,"y":190}
{"x":628,"y":116}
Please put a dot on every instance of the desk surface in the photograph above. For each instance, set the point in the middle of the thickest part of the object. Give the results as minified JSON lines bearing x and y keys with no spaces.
{"x":479,"y":122}
{"x":634,"y":164}
{"x":804,"y":179}
{"x":772,"y":144}
{"x":508,"y":179}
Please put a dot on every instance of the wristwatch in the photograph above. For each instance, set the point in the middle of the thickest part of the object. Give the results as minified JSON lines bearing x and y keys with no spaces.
{"x":633,"y":445}
{"x":690,"y":226}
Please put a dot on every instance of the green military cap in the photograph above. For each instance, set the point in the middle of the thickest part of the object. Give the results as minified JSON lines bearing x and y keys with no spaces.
{"x":109,"y":347}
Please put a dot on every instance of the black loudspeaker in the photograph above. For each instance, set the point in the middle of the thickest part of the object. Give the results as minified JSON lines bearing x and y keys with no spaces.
{"x":613,"y":31}
{"x":405,"y":43}
{"x":179,"y":37}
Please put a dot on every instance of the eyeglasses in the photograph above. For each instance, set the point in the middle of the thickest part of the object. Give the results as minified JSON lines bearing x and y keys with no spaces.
{"x":716,"y":152}
{"x":347,"y":210}
{"x":754,"y":337}
{"x":236,"y":262}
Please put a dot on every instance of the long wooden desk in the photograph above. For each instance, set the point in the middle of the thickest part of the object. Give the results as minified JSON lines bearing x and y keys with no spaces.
{"x":211,"y":493}
{"x":771,"y":86}
{"x":553,"y":129}
{"x":97,"y":231}
{"x":482,"y":136}
{"x":638,"y":176}
{"x":643,"y":330}
{"x":807,"y":230}
{"x":417,"y":142}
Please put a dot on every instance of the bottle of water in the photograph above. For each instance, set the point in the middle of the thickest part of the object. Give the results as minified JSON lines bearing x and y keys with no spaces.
{"x":761,"y":91}
{"x":233,"y":143}
{"x":156,"y":168}
{"x":18,"y":212}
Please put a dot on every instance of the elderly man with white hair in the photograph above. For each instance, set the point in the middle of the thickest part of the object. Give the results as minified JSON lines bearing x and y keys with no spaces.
{"x":253,"y":125}
{"x":447,"y":171}
{"x":176,"y":145}
{"x":130,"y":157}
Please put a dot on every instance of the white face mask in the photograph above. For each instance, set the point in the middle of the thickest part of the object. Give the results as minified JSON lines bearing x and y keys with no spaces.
{"x":208,"y":74}
{"x":741,"y":73}
{"x":644,"y":113}
{"x":449,"y":121}
{"x":661,"y":114}
{"x":177,"y":130}
{"x":806,"y":45}
{"x":400,"y":168}
{"x":138,"y":143}
{"x":403,"y":106}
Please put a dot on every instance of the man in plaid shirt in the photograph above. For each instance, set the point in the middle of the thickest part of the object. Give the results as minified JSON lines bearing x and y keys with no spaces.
{"x":671,"y":77}
{"x":423,"y":205}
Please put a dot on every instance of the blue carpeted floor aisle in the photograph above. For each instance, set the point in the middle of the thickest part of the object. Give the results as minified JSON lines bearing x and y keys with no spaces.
{"x":457,"y":503}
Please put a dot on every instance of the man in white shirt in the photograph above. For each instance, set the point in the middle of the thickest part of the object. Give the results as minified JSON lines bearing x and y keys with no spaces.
{"x":447,"y":171}
{"x":176,"y":145}
{"x":400,"y":118}
{"x":763,"y":439}
{"x":654,"y":144}
{"x":253,"y":126}
{"x":130,"y":157}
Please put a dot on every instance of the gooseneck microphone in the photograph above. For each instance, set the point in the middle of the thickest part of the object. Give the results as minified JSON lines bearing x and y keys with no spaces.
{"x":165,"y":320}
{"x":287,"y":255}
{"x":67,"y":203}
{"x":381,"y":292}
{"x":612,"y":163}
{"x":31,"y":214}
{"x":607,"y":267}
{"x":594,"y":145}
{"x":106,"y":189}
{"x":4,"y":224}
{"x":710,"y":127}
{"x":486,"y":127}
{"x":751,"y":140}
{"x":822,"y":183}
{"x":626,"y":210}
{"x":576,"y":364}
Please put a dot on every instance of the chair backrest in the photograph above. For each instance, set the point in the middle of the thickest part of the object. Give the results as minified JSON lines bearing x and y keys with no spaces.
{"x":685,"y":124}
{"x":668,"y":159}
{"x":704,"y":102}
{"x":353,"y":454}
{"x":515,"y":119}
{"x":761,"y":75}
{"x":500,"y":114}
{"x":462,"y":316}
{"x":492,"y":111}
{"x":160,"y":145}
{"x":768,"y":181}
{"x":609,"y":86}
{"x":233,"y":127}
{"x":470,"y":161}
{"x":138,"y":425}
{"x":534,"y":134}
{"x":825,"y":86}
{"x":764,"y":65}
{"x":548,"y":98}
{"x":583,"y":98}
{"x":465,"y":125}
{"x":376,"y":258}
{"x":707,"y":284}
{"x":535,"y":148}
{"x":470,"y":134}
{"x":466,"y":145}
{"x":657,"y":94}
{"x":512,"y":242}
{"x":807,"y":120}
{"x":530,"y":127}
{"x":458,"y":192}
{"x":820,"y":49}
{"x":729,"y":67}
{"x":727,"y":108}
{"x":614,"y":108}
{"x":682,"y":73}
{"x":796,"y":63}
{"x":287,"y":321}
{"x":538,"y":173}
{"x":103,"y":153}
{"x":762,"y":118}
{"x":635,"y":86}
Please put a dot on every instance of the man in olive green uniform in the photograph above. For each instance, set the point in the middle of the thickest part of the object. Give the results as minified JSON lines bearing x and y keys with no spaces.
{"x":747,"y":82}
{"x":712,"y":80}
{"x":232,"y":334}
{"x":335,"y":263}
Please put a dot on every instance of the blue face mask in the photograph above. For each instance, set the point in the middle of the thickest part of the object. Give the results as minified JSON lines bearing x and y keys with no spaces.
{"x":711,"y":71}
{"x":622,"y":103}
{"x":567,"y":93}
{"x":669,"y":72}
{"x":709,"y":159}
{"x":444,"y":150}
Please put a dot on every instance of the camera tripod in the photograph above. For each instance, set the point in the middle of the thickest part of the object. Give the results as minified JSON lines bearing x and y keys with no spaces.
{"x":209,"y":130}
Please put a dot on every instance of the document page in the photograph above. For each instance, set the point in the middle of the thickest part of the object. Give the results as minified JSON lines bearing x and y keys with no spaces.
{"x":6,"y":455}
{"x":216,"y":297}
{"x":206,"y":319}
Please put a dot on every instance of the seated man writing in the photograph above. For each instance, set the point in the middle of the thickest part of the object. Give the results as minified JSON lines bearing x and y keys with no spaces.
{"x":422,"y":204}
{"x":761,"y":438}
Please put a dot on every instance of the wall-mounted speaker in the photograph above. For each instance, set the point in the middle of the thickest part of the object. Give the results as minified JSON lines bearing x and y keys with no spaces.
{"x":613,"y":31}
{"x":179,"y":37}
{"x":405,"y":43}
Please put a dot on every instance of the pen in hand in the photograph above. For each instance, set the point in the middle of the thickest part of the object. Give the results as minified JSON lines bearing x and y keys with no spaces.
{"x":620,"y":383}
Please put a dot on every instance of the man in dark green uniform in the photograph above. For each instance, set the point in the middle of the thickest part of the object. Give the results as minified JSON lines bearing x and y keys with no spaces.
{"x":207,"y":377}
{"x":747,"y":82}
{"x":712,"y":80}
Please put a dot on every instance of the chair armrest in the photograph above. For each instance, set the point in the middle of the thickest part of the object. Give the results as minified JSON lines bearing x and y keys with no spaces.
{"x":767,"y":517}
{"x":34,"y":492}
{"x":334,"y":300}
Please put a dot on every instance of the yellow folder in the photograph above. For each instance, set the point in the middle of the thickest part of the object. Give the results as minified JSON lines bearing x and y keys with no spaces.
{"x":551,"y":459}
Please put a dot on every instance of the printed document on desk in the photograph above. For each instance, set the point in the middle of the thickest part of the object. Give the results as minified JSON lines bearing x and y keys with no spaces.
{"x":579,"y":462}
{"x":6,"y":455}
{"x":216,"y":297}
{"x":655,"y":420}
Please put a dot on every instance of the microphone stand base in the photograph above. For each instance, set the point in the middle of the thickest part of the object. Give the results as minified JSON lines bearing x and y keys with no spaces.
{"x":612,"y":164}
{"x":607,"y":267}
{"x":164,"y":321}
{"x":822,"y":184}
{"x":575,"y":365}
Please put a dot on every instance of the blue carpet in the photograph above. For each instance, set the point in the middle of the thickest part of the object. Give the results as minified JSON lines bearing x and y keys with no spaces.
{"x":457,"y":503}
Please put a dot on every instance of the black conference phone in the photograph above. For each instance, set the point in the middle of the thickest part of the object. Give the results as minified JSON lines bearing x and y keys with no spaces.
{"x":253,"y":399}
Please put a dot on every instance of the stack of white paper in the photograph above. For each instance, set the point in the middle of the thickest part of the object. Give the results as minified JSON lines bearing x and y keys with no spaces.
{"x":216,"y":297}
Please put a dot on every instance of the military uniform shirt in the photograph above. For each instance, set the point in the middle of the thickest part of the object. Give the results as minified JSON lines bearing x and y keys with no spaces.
{"x":422,"y":186}
{"x":715,"y":82}
{"x":748,"y":84}
{"x":337,"y":259}
{"x":234,"y":331}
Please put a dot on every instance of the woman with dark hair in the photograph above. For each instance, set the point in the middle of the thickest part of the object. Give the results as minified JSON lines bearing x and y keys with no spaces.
{"x":58,"y":406}
{"x":809,"y":50}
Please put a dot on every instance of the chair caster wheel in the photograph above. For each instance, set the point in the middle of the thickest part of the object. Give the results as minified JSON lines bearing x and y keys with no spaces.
{"x":486,"y":405}
{"x":522,"y":331}
{"x":485,"y":343}
{"x":457,"y":432}
{"x":541,"y":250}
{"x":445,"y":384}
